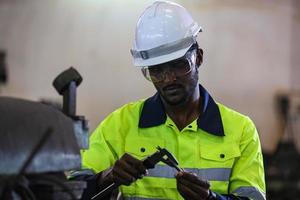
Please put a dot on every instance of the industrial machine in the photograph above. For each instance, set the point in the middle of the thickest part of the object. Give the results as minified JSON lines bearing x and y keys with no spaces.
{"x":39,"y":143}
{"x":3,"y":66}
{"x":282,"y":166}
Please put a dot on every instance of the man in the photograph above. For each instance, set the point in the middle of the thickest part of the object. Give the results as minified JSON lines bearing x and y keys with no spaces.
{"x":218,"y":148}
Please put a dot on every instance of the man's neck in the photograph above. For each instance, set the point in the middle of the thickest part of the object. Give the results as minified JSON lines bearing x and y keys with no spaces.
{"x":184,"y":114}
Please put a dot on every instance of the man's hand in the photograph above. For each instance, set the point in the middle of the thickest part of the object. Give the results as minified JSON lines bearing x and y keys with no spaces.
{"x":191,"y":187}
{"x":127,"y":170}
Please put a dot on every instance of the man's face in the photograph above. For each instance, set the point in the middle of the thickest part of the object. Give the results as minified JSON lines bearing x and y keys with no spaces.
{"x":179,"y":79}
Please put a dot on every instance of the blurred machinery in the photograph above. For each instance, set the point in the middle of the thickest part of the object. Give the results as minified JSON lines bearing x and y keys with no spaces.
{"x":3,"y":70}
{"x":39,"y":143}
{"x":282,"y":167}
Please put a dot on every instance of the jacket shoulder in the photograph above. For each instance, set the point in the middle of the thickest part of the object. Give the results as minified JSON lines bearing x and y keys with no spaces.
{"x":234,"y":123}
{"x":231,"y":114}
{"x":129,"y":112}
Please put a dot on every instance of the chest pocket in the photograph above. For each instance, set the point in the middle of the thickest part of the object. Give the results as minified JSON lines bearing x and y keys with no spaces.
{"x":142,"y":147}
{"x":220,"y":157}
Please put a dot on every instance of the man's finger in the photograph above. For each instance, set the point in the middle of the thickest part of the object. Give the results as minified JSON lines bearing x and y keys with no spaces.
{"x":201,"y":191}
{"x":193,"y":179}
{"x":190,"y":194}
{"x":122,"y":177}
{"x":122,"y":166}
{"x":137,"y":164}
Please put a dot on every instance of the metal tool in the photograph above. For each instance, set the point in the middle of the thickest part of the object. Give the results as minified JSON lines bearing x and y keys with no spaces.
{"x":162,"y":155}
{"x":169,"y":159}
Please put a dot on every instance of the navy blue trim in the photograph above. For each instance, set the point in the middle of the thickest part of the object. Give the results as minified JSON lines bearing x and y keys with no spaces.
{"x":210,"y":119}
{"x":153,"y":114}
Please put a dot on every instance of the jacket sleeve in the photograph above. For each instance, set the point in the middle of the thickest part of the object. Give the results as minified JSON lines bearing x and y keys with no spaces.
{"x":247,"y":178}
{"x":92,"y":184}
{"x":105,"y":147}
{"x":103,"y":151}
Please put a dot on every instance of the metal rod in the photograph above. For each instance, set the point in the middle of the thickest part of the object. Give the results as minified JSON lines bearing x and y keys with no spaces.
{"x":102,"y":193}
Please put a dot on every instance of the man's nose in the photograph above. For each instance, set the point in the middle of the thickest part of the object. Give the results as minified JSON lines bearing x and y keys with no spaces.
{"x":169,"y":75}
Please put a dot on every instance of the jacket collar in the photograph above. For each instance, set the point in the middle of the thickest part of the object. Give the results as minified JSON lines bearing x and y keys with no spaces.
{"x":153,"y":114}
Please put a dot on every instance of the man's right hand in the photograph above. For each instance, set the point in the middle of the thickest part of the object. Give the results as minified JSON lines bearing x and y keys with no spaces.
{"x":126,"y":170}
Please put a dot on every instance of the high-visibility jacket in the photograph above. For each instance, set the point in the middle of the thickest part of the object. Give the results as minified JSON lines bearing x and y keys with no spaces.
{"x":221,"y":146}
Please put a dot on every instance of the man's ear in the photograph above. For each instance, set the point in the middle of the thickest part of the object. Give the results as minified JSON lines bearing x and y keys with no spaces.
{"x":199,"y":58}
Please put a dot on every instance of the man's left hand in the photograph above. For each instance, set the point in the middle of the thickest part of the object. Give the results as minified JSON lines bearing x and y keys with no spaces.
{"x":191,"y":187}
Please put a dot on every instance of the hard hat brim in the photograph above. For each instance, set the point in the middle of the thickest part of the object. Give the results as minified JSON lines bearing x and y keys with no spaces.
{"x":140,"y":62}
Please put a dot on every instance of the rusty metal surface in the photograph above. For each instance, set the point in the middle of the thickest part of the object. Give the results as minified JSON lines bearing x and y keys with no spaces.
{"x":22,"y":124}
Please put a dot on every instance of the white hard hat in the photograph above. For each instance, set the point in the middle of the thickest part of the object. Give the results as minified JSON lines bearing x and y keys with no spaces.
{"x":164,"y":32}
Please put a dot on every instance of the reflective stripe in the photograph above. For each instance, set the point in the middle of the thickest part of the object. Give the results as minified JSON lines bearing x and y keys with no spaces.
{"x":250,"y":192}
{"x":211,"y":174}
{"x":164,"y":49}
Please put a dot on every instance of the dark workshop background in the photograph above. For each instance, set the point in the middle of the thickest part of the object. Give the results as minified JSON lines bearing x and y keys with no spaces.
{"x":251,"y":62}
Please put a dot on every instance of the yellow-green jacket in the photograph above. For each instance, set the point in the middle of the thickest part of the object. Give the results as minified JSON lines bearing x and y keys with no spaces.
{"x":221,"y":146}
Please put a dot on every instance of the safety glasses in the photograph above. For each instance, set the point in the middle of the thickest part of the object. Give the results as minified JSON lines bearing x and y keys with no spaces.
{"x":178,"y":68}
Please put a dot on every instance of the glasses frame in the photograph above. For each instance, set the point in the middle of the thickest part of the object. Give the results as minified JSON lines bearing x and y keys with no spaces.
{"x":190,"y":56}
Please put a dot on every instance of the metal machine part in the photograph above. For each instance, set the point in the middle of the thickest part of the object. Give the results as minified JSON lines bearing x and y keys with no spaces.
{"x":22,"y":125}
{"x":39,"y":143}
{"x":37,"y":140}
{"x":65,"y":84}
{"x":3,"y":67}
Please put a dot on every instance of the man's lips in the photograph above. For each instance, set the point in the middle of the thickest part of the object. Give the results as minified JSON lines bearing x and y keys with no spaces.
{"x":172,"y":88}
